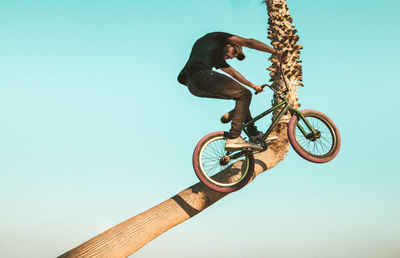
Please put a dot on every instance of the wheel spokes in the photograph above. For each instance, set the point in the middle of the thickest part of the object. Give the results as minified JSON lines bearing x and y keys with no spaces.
{"x":210,"y":160}
{"x":320,"y":146}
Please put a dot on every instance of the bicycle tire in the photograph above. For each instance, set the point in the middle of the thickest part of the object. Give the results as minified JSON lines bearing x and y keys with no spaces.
{"x":237,"y":178}
{"x":329,"y":143}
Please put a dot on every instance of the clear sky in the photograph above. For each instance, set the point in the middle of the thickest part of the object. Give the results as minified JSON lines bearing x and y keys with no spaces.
{"x":94,"y":128}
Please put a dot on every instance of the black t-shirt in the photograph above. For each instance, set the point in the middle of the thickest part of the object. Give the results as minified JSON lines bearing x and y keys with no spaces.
{"x":207,"y":52}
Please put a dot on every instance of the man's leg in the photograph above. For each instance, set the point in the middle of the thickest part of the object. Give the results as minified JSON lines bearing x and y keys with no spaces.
{"x":212,"y":84}
{"x":251,"y":128}
{"x":243,"y":100}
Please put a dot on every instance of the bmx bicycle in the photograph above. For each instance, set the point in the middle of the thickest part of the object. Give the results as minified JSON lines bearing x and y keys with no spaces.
{"x":312,"y":135}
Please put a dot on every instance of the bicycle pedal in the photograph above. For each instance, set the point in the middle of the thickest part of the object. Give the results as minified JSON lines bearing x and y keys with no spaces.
{"x":271,"y":139}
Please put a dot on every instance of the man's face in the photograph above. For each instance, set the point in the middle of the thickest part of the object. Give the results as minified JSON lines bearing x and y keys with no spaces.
{"x":230,"y":52}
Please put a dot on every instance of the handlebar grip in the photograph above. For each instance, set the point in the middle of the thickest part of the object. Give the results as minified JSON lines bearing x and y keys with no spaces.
{"x":262,"y":86}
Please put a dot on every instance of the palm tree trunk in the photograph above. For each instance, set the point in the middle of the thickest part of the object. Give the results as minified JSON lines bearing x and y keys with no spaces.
{"x":129,"y":236}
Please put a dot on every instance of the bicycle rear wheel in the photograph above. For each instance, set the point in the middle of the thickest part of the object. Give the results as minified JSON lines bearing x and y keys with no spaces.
{"x":220,"y":170}
{"x":320,"y":147}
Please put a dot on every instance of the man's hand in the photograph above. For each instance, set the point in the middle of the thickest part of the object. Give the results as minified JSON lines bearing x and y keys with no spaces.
{"x":280,"y":56}
{"x":258,"y":89}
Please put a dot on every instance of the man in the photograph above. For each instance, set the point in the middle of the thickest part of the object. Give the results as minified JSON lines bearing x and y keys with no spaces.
{"x":212,"y":50}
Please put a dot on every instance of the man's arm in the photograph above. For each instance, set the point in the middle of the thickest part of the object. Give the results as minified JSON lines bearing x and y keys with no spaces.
{"x":238,"y":76}
{"x":255,"y":44}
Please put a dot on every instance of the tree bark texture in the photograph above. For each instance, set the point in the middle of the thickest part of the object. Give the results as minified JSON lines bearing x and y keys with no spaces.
{"x":129,"y":236}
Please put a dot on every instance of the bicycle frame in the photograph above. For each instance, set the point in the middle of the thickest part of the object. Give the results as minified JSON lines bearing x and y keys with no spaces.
{"x":286,"y":107}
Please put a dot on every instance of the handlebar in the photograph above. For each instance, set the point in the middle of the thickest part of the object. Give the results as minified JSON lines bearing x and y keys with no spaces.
{"x":283,"y":77}
{"x":272,"y":88}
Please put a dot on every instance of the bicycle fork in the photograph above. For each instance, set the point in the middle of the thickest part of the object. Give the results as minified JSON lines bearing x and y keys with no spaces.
{"x":314,"y":135}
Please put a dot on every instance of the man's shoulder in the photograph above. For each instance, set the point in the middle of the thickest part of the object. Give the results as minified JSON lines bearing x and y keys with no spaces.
{"x":213,"y":37}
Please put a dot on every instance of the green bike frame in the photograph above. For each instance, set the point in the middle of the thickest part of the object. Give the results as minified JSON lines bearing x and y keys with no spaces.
{"x":285,"y":108}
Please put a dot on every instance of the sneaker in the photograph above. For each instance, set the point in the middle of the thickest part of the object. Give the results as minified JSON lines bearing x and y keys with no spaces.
{"x":227,"y":117}
{"x":240,"y":144}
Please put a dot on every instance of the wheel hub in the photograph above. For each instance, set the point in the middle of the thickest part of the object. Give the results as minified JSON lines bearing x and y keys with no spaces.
{"x":314,"y":137}
{"x":224,"y":160}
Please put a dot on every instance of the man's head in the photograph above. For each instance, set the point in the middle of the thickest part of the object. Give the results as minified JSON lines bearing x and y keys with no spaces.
{"x":231,"y":51}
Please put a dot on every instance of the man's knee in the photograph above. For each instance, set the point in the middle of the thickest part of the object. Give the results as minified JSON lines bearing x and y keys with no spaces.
{"x":245,"y":94}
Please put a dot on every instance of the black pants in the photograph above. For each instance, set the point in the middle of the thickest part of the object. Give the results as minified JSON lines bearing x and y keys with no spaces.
{"x":211,"y":84}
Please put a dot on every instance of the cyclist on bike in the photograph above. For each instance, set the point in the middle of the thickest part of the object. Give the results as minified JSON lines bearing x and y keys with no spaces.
{"x":212,"y":50}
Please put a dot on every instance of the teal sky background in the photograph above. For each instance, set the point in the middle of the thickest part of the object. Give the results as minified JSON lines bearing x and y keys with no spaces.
{"x":94,"y":128}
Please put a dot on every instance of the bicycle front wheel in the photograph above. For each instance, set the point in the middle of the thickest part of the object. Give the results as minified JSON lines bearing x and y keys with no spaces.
{"x":218,"y":169}
{"x":320,"y":147}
